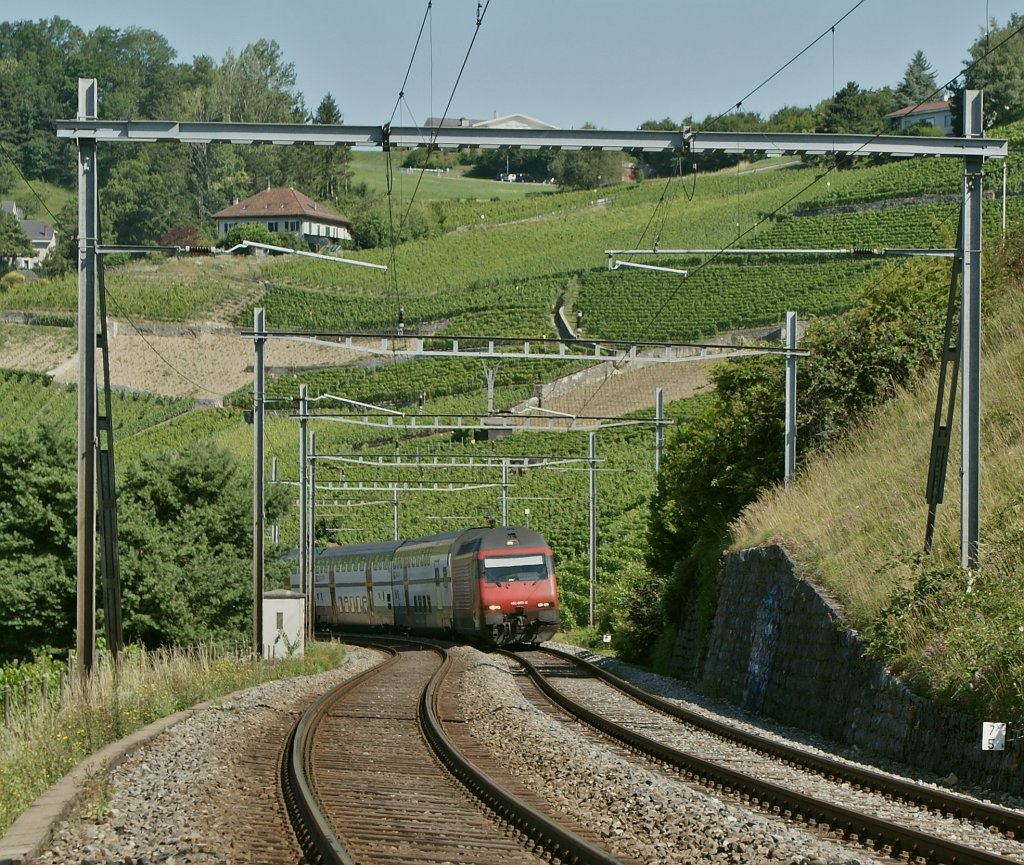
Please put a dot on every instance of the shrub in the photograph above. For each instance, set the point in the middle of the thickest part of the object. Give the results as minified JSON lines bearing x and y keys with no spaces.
{"x":11,"y":279}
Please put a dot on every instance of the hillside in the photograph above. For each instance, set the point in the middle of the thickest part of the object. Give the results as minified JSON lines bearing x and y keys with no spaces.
{"x":498,"y":268}
{"x":854,"y":522}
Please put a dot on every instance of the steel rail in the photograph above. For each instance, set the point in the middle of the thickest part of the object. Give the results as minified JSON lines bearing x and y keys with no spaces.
{"x":1006,"y":820}
{"x":851,"y":824}
{"x":310,"y":824}
{"x":563,"y":844}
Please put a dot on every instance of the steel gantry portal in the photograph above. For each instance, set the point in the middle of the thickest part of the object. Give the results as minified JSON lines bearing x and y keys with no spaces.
{"x":88,"y":132}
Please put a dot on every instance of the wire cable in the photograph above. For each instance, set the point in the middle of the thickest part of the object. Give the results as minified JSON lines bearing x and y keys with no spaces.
{"x":25,"y":180}
{"x":739,"y":104}
{"x":481,"y":12}
{"x":792,"y":60}
{"x":817,"y":179}
{"x":415,"y":48}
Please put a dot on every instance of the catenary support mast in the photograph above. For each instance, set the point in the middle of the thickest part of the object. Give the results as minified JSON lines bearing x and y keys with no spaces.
{"x":88,"y":230}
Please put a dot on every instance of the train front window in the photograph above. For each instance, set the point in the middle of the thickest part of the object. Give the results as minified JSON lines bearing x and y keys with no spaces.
{"x":512,"y":569}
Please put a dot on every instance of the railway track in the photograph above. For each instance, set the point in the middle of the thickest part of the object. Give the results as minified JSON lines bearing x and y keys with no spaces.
{"x":372,"y":776}
{"x":884,"y":813}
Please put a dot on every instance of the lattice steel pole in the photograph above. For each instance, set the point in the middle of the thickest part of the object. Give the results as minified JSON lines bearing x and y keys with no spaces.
{"x":970,"y":334}
{"x":592,"y":525}
{"x":88,"y":228}
{"x":258,"y":399}
{"x":789,"y":461}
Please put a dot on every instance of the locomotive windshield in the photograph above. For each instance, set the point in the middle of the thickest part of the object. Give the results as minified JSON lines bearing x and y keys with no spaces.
{"x":511,"y":569}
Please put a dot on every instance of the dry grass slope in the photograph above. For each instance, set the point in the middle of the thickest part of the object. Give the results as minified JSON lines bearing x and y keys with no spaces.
{"x":851,"y":513}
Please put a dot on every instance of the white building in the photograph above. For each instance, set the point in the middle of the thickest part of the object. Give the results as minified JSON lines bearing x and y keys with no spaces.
{"x":42,"y":236}
{"x":937,"y":114}
{"x":288,"y":210}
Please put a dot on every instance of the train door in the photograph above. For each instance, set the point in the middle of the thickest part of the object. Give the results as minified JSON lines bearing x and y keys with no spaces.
{"x":404,"y":617}
{"x":323,"y":585}
{"x":465,"y":588}
{"x":370,"y":609}
{"x":440,"y":594}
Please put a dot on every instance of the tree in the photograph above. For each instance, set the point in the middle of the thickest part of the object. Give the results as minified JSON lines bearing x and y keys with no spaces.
{"x":63,"y":258}
{"x":134,"y":70}
{"x":256,"y":86}
{"x":662,"y":164}
{"x":334,"y":171}
{"x":323,"y":172}
{"x":789,"y":118}
{"x":999,"y":73}
{"x":8,"y":174}
{"x":145,"y":196}
{"x":185,"y":531}
{"x":38,"y":84}
{"x":718,"y":463}
{"x":855,"y":111}
{"x":37,"y":545}
{"x":251,"y":231}
{"x":918,"y":84}
{"x":491,"y":163}
{"x":185,"y":525}
{"x":586,"y":169}
{"x":14,"y":243}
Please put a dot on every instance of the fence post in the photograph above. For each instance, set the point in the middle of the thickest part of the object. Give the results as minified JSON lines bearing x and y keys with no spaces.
{"x":26,"y":687}
{"x":7,"y":705}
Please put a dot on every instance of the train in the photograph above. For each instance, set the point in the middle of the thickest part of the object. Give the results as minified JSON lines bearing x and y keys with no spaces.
{"x":494,"y":586}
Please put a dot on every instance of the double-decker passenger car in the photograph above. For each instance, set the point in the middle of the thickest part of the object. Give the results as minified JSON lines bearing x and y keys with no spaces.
{"x":489,"y":585}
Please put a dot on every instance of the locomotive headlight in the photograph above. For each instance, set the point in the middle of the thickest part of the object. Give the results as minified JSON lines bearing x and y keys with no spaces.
{"x":493,"y":607}
{"x":543,"y":604}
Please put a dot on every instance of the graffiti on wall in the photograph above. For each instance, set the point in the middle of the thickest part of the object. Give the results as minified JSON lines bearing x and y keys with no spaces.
{"x":764,"y":638}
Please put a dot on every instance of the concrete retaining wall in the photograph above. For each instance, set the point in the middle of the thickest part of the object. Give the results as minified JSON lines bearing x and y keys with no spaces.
{"x":779,"y":646}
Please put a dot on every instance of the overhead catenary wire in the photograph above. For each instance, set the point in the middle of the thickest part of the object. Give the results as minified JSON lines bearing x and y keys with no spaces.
{"x":412,"y":59}
{"x":737,"y":106}
{"x":395,"y":236}
{"x":831,"y":29}
{"x":818,"y":178}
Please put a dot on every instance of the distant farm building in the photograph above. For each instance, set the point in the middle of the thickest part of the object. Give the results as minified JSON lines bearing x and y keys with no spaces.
{"x":937,"y":114}
{"x":286,"y":210}
{"x":506,"y":121}
{"x":40,"y":233}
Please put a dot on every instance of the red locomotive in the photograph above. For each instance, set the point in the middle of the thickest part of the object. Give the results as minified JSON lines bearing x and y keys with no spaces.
{"x":488,"y":585}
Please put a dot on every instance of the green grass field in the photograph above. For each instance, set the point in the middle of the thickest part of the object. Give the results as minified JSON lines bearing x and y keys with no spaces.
{"x":371,"y":168}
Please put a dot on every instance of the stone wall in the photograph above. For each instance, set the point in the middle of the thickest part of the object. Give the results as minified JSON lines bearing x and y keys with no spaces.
{"x":779,"y":647}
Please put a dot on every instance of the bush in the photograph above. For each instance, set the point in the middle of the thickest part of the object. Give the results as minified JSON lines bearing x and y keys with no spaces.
{"x":11,"y":279}
{"x":253,"y":233}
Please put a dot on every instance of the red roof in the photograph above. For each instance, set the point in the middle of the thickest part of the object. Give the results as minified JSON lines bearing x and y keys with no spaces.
{"x":281,"y":202}
{"x":923,"y":108}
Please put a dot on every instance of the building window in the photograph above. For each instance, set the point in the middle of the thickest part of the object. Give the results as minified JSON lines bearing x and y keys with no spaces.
{"x":272,"y":226}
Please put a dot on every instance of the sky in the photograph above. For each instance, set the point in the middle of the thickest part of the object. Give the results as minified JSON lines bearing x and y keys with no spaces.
{"x":609,"y":63}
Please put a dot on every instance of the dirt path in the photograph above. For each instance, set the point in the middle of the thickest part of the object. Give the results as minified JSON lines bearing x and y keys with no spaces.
{"x":633,"y":389}
{"x":204,"y":363}
{"x":207,"y":362}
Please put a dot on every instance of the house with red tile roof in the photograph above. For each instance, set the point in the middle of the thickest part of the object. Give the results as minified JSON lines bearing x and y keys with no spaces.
{"x":937,"y":114}
{"x":286,"y":209}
